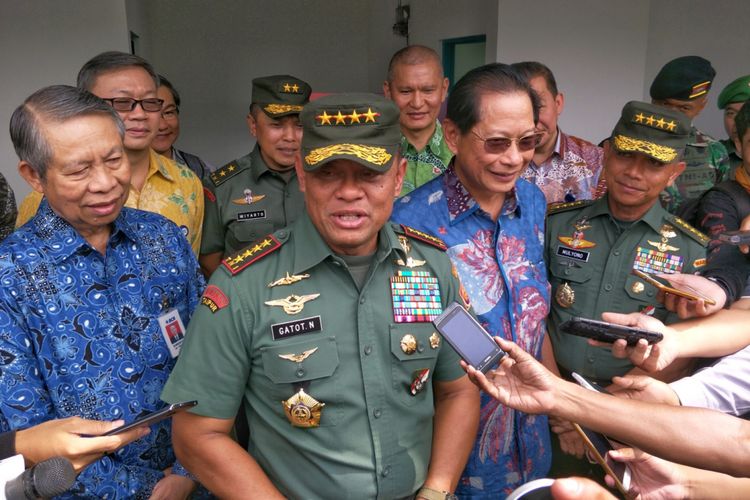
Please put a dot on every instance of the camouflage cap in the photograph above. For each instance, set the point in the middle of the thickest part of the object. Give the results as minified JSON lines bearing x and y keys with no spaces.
{"x":280,"y":95}
{"x":685,"y":78}
{"x":737,"y":91}
{"x":359,"y":127}
{"x":658,"y":132}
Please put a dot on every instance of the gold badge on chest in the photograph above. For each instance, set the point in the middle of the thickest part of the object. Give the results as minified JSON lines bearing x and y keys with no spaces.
{"x":410,"y":262}
{"x":294,"y":304}
{"x":303,"y":410}
{"x":565,"y":296}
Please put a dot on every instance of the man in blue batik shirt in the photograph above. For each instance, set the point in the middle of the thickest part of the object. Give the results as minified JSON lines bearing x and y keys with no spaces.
{"x":92,"y":294}
{"x":493,"y":225}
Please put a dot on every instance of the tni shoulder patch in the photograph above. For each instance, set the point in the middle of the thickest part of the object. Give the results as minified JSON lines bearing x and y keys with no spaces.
{"x":424,"y":237}
{"x":251,"y":253}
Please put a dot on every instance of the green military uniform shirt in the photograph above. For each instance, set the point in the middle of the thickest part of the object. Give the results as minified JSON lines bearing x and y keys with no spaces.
{"x":425,"y":165}
{"x":375,"y":437}
{"x":706,"y":164}
{"x":597,"y":269}
{"x":246,"y":200}
{"x":734,"y":159}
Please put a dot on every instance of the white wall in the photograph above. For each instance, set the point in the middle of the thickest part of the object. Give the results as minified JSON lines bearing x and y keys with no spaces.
{"x":211,"y":51}
{"x":603,"y":52}
{"x":596,"y":49}
{"x":715,"y":29}
{"x":45,"y":42}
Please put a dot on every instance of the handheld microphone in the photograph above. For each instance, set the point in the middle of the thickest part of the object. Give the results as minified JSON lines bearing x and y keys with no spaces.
{"x":44,"y":480}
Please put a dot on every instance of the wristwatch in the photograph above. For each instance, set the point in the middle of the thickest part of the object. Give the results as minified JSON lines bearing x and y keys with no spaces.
{"x":431,"y":494}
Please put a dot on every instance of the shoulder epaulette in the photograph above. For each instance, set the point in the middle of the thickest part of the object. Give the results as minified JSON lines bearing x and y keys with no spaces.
{"x":220,"y":175}
{"x":251,"y":253}
{"x":424,"y":237}
{"x":554,"y":208}
{"x":698,"y":236}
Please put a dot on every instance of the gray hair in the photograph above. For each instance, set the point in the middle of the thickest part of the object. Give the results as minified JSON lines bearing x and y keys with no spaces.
{"x":111,"y":61}
{"x":57,"y":104}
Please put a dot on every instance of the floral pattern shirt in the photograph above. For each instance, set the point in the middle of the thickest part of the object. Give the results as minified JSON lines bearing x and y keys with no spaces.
{"x":422,"y":166}
{"x":501,"y":266}
{"x":79,"y":335}
{"x":171,"y":190}
{"x":571,"y":173}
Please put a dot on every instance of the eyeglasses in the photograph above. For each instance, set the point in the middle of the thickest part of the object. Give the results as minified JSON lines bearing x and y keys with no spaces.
{"x":497,"y":145}
{"x":125,"y":104}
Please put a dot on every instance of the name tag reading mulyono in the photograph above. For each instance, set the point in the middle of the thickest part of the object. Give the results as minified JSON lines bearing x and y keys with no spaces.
{"x":297,"y":327}
{"x":573,"y":254}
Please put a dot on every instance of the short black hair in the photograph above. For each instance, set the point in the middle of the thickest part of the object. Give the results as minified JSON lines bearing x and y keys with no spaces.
{"x":110,"y":61}
{"x":412,"y":55}
{"x":163,"y":82}
{"x":464,"y":100}
{"x":533,"y":69}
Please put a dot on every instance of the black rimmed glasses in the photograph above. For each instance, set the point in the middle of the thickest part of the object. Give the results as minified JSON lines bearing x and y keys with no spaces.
{"x":498,"y":145}
{"x":125,"y":104}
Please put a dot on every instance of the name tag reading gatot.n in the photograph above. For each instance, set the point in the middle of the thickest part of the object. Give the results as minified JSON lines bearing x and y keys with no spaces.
{"x":297,"y":327}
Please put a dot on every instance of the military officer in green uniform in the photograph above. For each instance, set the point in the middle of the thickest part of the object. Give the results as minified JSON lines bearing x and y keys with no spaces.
{"x":731,"y":99}
{"x":683,"y":84}
{"x":592,"y":247}
{"x":322,"y":330}
{"x":258,"y":193}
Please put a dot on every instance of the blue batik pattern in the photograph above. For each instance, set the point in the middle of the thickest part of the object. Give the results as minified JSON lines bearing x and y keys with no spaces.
{"x":79,"y":334}
{"x":501,"y":267}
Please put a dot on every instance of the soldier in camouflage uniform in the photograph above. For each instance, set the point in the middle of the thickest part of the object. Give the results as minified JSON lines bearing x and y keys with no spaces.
{"x":683,"y":85}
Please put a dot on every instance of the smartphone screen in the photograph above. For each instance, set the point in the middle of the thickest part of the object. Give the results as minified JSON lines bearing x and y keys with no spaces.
{"x":154,"y":417}
{"x":668,"y":289}
{"x":468,"y":338}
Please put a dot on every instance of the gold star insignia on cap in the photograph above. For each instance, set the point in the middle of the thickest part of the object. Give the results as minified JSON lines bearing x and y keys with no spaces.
{"x":295,"y":88}
{"x":660,"y":123}
{"x":639,"y":118}
{"x":325,"y":118}
{"x":340,"y":118}
{"x":354,"y":117}
{"x":650,"y":120}
{"x":370,"y":115}
{"x":287,"y":87}
{"x":671,"y":126}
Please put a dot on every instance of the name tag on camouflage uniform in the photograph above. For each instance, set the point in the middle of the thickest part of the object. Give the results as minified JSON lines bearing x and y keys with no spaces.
{"x":416,"y":297}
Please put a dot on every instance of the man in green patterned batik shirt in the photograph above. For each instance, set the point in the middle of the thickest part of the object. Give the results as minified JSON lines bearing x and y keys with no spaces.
{"x":418,"y":87}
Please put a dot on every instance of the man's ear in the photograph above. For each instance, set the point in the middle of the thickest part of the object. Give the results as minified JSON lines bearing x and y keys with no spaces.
{"x":252,"y":124}
{"x":452,"y":134}
{"x":560,"y":103}
{"x":387,"y":89}
{"x":678,"y":169}
{"x":444,"y":88}
{"x":31,"y":176}
{"x":300,"y":171}
{"x":400,"y":173}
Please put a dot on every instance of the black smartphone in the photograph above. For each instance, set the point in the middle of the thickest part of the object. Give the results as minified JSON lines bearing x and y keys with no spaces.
{"x":735,"y":237}
{"x":668,"y":289}
{"x":154,"y":417}
{"x":468,"y":338}
{"x":608,"y":332}
{"x":599,"y":444}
